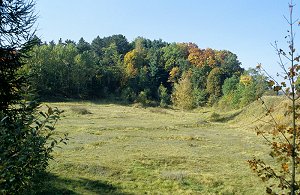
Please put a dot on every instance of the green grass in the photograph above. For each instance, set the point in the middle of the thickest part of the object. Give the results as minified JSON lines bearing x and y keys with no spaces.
{"x":129,"y":150}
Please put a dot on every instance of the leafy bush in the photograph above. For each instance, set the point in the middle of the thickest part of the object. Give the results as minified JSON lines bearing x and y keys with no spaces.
{"x":200,"y":97}
{"x":128,"y":95}
{"x":163,"y":96}
{"x":143,"y":98}
{"x":239,"y":92}
{"x":248,"y":94}
{"x":26,"y":143}
{"x":226,"y":102}
{"x":230,"y":85}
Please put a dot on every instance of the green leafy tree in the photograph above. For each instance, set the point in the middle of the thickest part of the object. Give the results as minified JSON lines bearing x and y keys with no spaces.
{"x":141,"y":43}
{"x":82,"y":74}
{"x":121,"y":43}
{"x":199,"y":76}
{"x":111,"y":70}
{"x":163,"y":96}
{"x":239,"y":92}
{"x":175,"y":55}
{"x":259,"y":80}
{"x":246,"y":94}
{"x":41,"y":73}
{"x":229,"y":63}
{"x":26,"y":135}
{"x":143,"y":97}
{"x":156,"y":72}
{"x":111,"y":56}
{"x":63,"y":64}
{"x":60,"y":70}
{"x":97,"y":45}
{"x":214,"y":84}
{"x":230,"y":85}
{"x":200,"y":96}
{"x":83,"y":46}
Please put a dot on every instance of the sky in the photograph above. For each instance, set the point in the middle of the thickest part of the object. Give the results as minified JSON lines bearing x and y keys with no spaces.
{"x":244,"y":27}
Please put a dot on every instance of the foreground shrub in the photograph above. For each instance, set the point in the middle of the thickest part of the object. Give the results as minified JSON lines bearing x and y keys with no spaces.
{"x":26,"y":143}
{"x":26,"y":134}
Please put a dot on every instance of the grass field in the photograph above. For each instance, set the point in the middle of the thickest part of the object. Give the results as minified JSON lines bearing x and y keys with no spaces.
{"x":115,"y":149}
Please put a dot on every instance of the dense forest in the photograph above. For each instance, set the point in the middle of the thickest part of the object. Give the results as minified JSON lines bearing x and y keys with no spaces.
{"x":145,"y":71}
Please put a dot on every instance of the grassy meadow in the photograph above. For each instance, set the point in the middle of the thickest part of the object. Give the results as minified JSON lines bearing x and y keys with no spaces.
{"x":117,"y":149}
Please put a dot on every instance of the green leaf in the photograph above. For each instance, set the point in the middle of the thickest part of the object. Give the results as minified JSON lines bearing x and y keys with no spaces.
{"x":50,"y":127}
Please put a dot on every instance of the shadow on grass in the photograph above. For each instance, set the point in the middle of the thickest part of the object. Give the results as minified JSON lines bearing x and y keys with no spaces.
{"x":219,"y":118}
{"x":100,"y":101}
{"x":54,"y":185}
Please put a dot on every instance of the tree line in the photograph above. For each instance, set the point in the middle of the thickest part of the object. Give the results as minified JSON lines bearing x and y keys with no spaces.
{"x":152,"y":72}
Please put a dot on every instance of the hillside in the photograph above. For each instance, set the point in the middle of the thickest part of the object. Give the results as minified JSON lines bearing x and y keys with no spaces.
{"x":254,"y":114}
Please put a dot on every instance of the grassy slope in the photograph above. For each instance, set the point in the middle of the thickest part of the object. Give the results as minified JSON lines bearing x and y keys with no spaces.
{"x":128,"y":150}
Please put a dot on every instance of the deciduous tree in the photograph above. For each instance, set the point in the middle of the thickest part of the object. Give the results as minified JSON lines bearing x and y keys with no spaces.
{"x":214,"y":84}
{"x":182,"y":96}
{"x":283,"y":137}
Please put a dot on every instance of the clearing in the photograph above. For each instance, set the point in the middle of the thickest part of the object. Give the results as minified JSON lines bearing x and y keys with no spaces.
{"x":116,"y":149}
